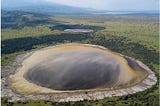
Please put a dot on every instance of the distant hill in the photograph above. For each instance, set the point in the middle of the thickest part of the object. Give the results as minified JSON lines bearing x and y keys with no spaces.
{"x":44,"y":8}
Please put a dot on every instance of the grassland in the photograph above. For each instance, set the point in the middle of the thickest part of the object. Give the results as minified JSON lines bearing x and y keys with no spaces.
{"x":132,"y":35}
{"x":140,"y":29}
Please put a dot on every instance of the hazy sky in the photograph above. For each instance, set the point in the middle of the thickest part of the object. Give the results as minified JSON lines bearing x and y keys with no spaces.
{"x":112,"y":4}
{"x":101,"y":4}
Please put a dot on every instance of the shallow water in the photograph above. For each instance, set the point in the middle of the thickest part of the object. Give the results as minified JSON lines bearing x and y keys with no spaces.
{"x":78,"y":30}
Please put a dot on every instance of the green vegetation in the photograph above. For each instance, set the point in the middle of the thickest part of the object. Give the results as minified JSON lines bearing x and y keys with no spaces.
{"x":18,"y":20}
{"x":77,"y":26}
{"x":146,"y":33}
{"x":36,"y":31}
{"x":141,"y":29}
{"x":135,"y":36}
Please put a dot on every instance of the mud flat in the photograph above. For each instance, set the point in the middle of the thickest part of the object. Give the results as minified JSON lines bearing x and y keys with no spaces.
{"x":74,"y":72}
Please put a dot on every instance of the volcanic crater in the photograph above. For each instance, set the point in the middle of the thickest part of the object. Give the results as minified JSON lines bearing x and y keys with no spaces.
{"x":72,"y":67}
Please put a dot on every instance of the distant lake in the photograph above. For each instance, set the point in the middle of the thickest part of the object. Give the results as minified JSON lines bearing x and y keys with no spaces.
{"x":78,"y":30}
